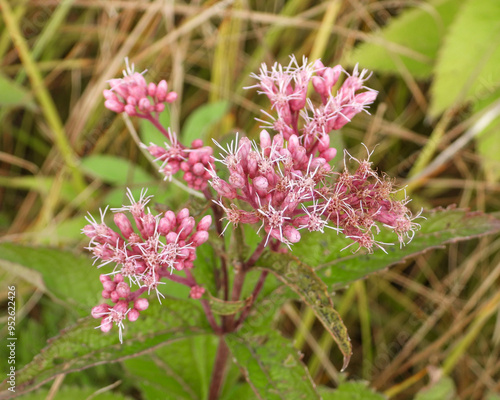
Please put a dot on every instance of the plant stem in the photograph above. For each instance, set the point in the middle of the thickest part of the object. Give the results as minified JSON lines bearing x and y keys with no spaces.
{"x":255,"y":293}
{"x":219,"y":369}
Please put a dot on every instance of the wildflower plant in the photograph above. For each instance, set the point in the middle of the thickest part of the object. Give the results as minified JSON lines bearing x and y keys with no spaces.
{"x":283,"y":184}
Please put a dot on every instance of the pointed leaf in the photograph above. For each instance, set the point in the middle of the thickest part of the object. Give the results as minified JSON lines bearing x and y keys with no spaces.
{"x":467,"y":67}
{"x":82,"y":346}
{"x":115,"y":170}
{"x":66,"y":276}
{"x":350,"y":391}
{"x":75,"y":393}
{"x":272,"y":367}
{"x":302,"y":279}
{"x":413,"y":38}
{"x":338,"y":268}
{"x":202,"y":119}
{"x":13,"y":94}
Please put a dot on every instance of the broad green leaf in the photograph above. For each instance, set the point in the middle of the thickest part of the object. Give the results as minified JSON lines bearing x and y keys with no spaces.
{"x":350,"y":391}
{"x":302,"y":279}
{"x":70,"y":278}
{"x":338,"y":268}
{"x":183,"y":370}
{"x":488,"y":141}
{"x":75,"y":393}
{"x":443,"y":389}
{"x":82,"y":346}
{"x":202,"y":119}
{"x":412,"y":39}
{"x":115,"y":170}
{"x":149,"y":134}
{"x":13,"y":94}
{"x":467,"y":67}
{"x":271,"y":366}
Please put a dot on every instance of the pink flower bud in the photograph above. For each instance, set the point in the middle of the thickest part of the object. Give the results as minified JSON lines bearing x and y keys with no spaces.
{"x":159,"y":107}
{"x":196,"y":292}
{"x":292,"y":234}
{"x":141,"y":304}
{"x":186,"y":227}
{"x":115,"y":297}
{"x":130,"y":110}
{"x":198,"y":169}
{"x":171,"y":97}
{"x":104,"y":278}
{"x":105,"y":294}
{"x":114,"y":106}
{"x":181,"y":215}
{"x":265,"y":139}
{"x":329,"y":154}
{"x":151,"y":89}
{"x":199,"y":238}
{"x":118,"y":278}
{"x":237,"y":181}
{"x":124,"y":224}
{"x":205,"y":223}
{"x":121,"y":306}
{"x":133,"y":315}
{"x":100,"y":310}
{"x":106,"y":325}
{"x":109,"y":286}
{"x":161,"y":91}
{"x":123,"y":289}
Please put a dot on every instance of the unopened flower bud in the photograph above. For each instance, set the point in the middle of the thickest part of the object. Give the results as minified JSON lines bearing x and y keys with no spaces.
{"x":141,"y":304}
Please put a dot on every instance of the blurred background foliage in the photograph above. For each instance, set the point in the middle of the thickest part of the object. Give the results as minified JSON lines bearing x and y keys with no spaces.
{"x":427,"y":328}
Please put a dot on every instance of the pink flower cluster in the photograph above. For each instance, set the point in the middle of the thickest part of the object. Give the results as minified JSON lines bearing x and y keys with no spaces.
{"x":287,"y":182}
{"x":132,"y":95}
{"x":143,"y":256}
{"x":287,"y":87}
{"x":195,"y":162}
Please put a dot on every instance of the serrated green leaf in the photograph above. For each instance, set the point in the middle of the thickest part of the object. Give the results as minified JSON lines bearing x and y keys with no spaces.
{"x":488,"y":141}
{"x":202,"y":119}
{"x":302,"y":279}
{"x":467,"y":66}
{"x":350,"y":391}
{"x":66,"y":276}
{"x":75,"y":393}
{"x":338,"y":268}
{"x":82,"y":346}
{"x":271,"y":366}
{"x":13,"y":94}
{"x":413,"y":39}
{"x":115,"y":170}
{"x":443,"y":389}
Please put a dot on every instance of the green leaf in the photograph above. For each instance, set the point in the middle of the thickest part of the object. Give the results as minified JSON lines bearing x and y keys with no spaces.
{"x":412,"y":39}
{"x":222,"y":307}
{"x":443,"y":389}
{"x":149,"y":134}
{"x":302,"y":279}
{"x":350,"y":391}
{"x":182,"y":369}
{"x":115,"y":170}
{"x":82,"y":346}
{"x":75,"y":393}
{"x":338,"y":268}
{"x":70,"y":278}
{"x":488,"y":141}
{"x":202,"y":119}
{"x":13,"y":94}
{"x":271,"y":366}
{"x":467,"y":67}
